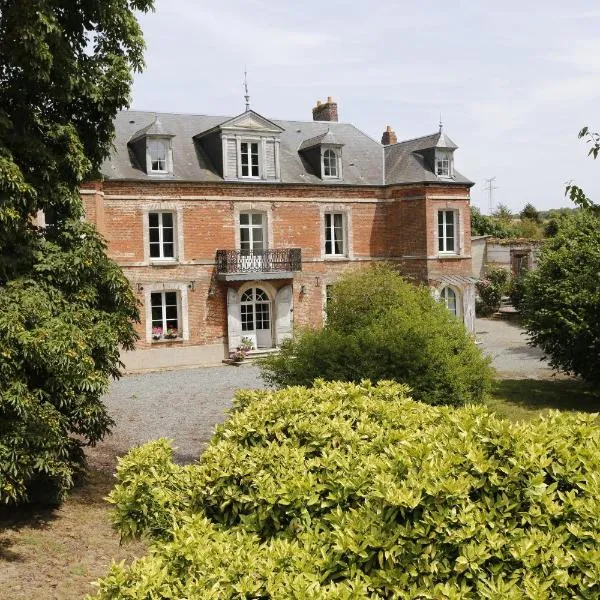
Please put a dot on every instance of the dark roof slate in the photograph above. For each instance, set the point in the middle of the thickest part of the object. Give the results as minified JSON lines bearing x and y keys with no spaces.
{"x":362,"y":159}
{"x":405,"y":161}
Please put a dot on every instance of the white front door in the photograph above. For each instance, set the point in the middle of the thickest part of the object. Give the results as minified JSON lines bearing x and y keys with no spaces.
{"x":256,"y":316}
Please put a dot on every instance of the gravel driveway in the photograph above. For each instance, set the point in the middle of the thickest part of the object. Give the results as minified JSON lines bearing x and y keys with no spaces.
{"x":186,"y":405}
{"x":506,"y":343}
{"x":181,"y":405}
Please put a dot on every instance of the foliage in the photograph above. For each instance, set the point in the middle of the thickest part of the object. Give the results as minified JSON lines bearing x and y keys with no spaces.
{"x":516,"y":289}
{"x":382,"y":327}
{"x":574,"y":192}
{"x":64,"y":307}
{"x":503,"y":214}
{"x":561,"y":301}
{"x":486,"y":225}
{"x":492,"y":288}
{"x":530,"y":212}
{"x":356,"y":491}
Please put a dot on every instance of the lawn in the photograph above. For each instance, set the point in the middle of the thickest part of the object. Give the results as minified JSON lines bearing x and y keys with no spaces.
{"x":55,"y":553}
{"x":524,"y":399}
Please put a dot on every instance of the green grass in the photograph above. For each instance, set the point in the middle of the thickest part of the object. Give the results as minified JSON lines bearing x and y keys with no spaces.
{"x":525,"y":399}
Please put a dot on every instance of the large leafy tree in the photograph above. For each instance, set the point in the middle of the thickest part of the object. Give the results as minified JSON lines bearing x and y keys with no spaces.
{"x":65,"y":308}
{"x":561,"y":302}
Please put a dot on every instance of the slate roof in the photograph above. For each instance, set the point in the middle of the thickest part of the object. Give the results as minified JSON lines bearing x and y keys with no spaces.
{"x":405,"y":162}
{"x":362,"y":158}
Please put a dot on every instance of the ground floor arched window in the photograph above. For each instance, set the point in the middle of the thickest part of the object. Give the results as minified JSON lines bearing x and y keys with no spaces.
{"x":450,"y":298}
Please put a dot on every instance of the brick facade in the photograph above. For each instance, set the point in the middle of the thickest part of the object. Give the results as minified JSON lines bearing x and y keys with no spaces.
{"x":383,"y":222}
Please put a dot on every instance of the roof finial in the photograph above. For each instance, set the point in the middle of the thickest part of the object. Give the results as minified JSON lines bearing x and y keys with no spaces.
{"x":441,"y":124}
{"x":246,"y":96}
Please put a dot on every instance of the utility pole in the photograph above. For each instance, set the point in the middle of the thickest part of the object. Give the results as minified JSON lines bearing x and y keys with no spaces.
{"x":490,"y":187}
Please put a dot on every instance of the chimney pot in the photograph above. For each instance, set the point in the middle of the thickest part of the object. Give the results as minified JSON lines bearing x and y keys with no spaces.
{"x":389,"y":136}
{"x":325,"y":112}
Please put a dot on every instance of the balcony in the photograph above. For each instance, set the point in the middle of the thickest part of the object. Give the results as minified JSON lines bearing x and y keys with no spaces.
{"x":242,"y":265}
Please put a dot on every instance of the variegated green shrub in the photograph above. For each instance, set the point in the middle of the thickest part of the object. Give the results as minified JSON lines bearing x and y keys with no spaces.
{"x":356,"y":491}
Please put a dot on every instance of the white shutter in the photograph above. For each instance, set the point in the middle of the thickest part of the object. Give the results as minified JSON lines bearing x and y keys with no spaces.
{"x":231,"y":167}
{"x":234,"y":320}
{"x":270,"y":170}
{"x":283,"y":312}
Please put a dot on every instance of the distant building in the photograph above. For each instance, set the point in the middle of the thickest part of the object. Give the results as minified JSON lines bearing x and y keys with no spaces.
{"x":514,"y":255}
{"x":233,"y":227}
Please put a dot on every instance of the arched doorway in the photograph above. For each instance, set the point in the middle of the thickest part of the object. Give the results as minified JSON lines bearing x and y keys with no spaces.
{"x":450,"y":298}
{"x":256,"y":316}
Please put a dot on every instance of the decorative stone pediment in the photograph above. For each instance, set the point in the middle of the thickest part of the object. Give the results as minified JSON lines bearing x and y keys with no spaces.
{"x":251,"y":121}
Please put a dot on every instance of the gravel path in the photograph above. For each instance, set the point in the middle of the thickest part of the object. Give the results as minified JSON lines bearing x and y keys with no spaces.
{"x":506,"y":343}
{"x":181,"y":405}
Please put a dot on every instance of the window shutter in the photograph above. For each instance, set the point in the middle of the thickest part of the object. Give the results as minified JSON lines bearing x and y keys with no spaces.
{"x":270,"y":167}
{"x":283,"y":311}
{"x":231,"y":157}
{"x":234,"y":322}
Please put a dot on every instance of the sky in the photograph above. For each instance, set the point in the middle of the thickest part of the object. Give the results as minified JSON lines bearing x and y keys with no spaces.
{"x":514,"y":82}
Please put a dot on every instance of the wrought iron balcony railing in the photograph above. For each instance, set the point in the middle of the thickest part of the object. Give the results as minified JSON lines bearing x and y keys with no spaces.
{"x":261,"y":261}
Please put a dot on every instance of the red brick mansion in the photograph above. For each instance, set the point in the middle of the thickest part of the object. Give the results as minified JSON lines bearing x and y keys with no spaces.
{"x":235,"y":227}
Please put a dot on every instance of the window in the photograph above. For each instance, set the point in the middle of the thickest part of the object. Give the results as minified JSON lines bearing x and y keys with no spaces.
{"x":252,"y":233}
{"x":447,"y":231}
{"x":442,"y":166}
{"x":330,"y":163}
{"x":448,"y":297}
{"x":249,"y":159}
{"x":334,"y":234}
{"x":158,"y":149}
{"x":165,"y":315}
{"x":162,"y":235}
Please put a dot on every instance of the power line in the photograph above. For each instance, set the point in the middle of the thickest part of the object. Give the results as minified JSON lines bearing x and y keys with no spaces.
{"x":490,"y":187}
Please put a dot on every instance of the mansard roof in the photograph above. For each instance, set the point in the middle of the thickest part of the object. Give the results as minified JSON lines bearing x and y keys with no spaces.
{"x":363,"y":158}
{"x":411,"y":161}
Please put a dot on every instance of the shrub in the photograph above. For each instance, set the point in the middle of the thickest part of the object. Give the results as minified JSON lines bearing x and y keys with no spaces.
{"x":561,"y":300}
{"x":356,"y":491}
{"x":382,"y":327}
{"x":491,"y":289}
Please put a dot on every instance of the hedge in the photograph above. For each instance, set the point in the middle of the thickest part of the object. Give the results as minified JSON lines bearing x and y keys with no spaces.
{"x":357,"y":491}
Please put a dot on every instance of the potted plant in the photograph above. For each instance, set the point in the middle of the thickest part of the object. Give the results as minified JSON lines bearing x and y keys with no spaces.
{"x":171,"y":334}
{"x":157,"y":333}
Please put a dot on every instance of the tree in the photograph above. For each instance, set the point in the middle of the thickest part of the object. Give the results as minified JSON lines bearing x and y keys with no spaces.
{"x":65,"y":308}
{"x":561,"y":302}
{"x":561,"y":298}
{"x":530,"y":212}
{"x":382,"y":327}
{"x":503,"y":214}
{"x":485,"y":225}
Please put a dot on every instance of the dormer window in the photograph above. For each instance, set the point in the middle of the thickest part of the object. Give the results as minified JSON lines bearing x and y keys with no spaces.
{"x":443,"y":164}
{"x":249,"y":159}
{"x":330,"y":163}
{"x":158,"y":151}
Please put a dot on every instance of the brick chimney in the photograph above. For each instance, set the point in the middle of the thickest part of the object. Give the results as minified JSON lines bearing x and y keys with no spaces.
{"x":389,"y":136}
{"x":325,"y":112}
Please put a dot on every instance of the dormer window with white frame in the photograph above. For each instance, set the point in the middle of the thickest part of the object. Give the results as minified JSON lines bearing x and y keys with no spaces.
{"x":250,"y":159}
{"x":443,"y":164}
{"x":158,"y":156}
{"x":331,"y":164}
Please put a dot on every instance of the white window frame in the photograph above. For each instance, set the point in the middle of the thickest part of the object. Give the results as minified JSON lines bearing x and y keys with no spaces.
{"x":165,"y":143}
{"x":174,"y":219}
{"x":182,"y":307}
{"x":259,"y":151}
{"x":444,"y":299}
{"x":163,"y":326}
{"x":331,"y":227}
{"x":443,"y":164}
{"x":442,"y":240}
{"x":333,"y":152}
